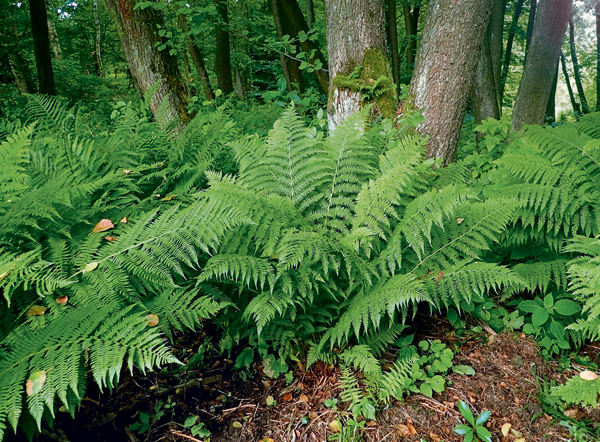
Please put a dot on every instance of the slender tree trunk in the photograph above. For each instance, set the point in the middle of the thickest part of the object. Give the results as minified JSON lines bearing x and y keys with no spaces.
{"x":598,"y":57}
{"x":294,"y":18}
{"x":540,"y":64}
{"x":392,"y":36}
{"x":411,"y":23}
{"x":585,"y":109}
{"x":509,"y":44}
{"x":240,"y":49}
{"x":98,"y":38}
{"x":223,"y":58}
{"x":550,"y":116}
{"x":148,"y":65}
{"x":41,"y":45}
{"x":356,"y":43}
{"x":54,"y":42}
{"x":289,"y":65}
{"x":574,"y":103}
{"x":453,"y":31}
{"x":530,"y":23}
{"x":486,"y":85}
{"x":310,"y":13}
{"x":197,"y":58}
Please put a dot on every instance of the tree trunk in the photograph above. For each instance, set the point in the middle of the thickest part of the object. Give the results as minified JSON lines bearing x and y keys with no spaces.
{"x":148,"y":65}
{"x":541,"y":62}
{"x":486,"y":85}
{"x":98,"y":35}
{"x":223,"y":58}
{"x":310,"y":13}
{"x":41,"y":45}
{"x":392,"y":36}
{"x":197,"y":58}
{"x":574,"y":103}
{"x":357,"y":57}
{"x":444,"y":70}
{"x":53,"y":35}
{"x":240,"y":50}
{"x":584,"y":104}
{"x":530,"y":23}
{"x":294,"y":18}
{"x":509,"y":44}
{"x":411,"y":22}
{"x":550,"y":116}
{"x":597,"y":57}
{"x":289,"y":65}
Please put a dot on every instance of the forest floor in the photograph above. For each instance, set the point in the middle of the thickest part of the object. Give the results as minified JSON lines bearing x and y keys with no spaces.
{"x":509,"y":372}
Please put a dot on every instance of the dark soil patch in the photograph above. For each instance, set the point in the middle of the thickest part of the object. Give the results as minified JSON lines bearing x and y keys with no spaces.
{"x":508,"y":371}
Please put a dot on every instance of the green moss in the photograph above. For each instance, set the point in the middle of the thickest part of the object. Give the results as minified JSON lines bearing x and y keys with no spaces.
{"x":372,"y":78}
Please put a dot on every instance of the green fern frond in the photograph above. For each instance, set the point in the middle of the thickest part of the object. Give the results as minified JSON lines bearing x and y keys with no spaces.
{"x":13,"y":156}
{"x":578,"y":392}
{"x":50,"y":112}
{"x":362,"y":358}
{"x":539,"y":275}
{"x":350,"y":391}
{"x":379,"y":340}
{"x":246,"y":270}
{"x":590,"y":125}
{"x":398,"y":381}
{"x":367,"y":310}
{"x":264,"y":307}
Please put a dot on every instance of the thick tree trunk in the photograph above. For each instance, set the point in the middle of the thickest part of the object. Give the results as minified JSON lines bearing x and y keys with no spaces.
{"x":541,"y":62}
{"x":574,"y":103}
{"x":197,"y":58}
{"x":97,"y":41}
{"x":411,"y":23}
{"x":223,"y":58}
{"x":294,"y":20}
{"x":392,"y":36}
{"x":509,"y":44}
{"x":584,"y":104}
{"x":289,"y":65}
{"x":486,"y":85}
{"x":41,"y":45}
{"x":444,"y":70}
{"x":310,"y":13}
{"x":148,"y":65}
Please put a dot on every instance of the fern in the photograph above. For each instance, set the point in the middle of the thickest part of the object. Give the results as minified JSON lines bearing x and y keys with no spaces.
{"x":398,"y":381}
{"x":362,"y":358}
{"x":578,"y":391}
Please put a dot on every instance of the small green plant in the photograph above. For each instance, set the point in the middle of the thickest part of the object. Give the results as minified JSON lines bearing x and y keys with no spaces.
{"x":196,"y":428}
{"x":331,"y":403}
{"x":475,"y":431}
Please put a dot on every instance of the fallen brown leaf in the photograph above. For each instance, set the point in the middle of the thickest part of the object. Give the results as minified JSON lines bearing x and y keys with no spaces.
{"x":104,"y":224}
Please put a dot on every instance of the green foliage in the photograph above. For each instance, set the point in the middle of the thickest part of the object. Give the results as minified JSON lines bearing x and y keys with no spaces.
{"x":578,"y":391}
{"x":475,"y":430}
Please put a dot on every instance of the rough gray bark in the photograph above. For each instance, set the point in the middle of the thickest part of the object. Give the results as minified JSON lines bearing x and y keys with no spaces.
{"x":41,"y":45}
{"x":542,"y":58}
{"x":444,"y":70}
{"x":356,"y":37}
{"x":54,"y":43}
{"x":584,"y":104}
{"x":486,"y":85}
{"x":148,"y":65}
{"x":530,"y":23}
{"x":392,"y":36}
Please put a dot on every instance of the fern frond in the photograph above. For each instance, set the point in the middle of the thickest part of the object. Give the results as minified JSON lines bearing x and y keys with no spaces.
{"x":539,"y":275}
{"x":264,"y":307}
{"x":362,"y":358}
{"x":50,"y":112}
{"x":246,"y":270}
{"x":379,"y":340}
{"x":590,"y":125}
{"x":398,"y":381}
{"x":13,"y":157}
{"x":350,"y":391}
{"x":578,"y":392}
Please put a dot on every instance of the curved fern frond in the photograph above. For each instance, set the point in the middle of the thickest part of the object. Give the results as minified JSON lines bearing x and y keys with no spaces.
{"x":398,"y":381}
{"x":539,"y":275}
{"x":246,"y":270}
{"x":361,"y":357}
{"x":13,"y":156}
{"x":590,"y":125}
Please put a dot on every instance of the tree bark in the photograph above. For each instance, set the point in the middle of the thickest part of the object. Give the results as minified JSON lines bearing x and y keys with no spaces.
{"x":509,"y":44}
{"x":97,"y":41}
{"x":530,"y":23}
{"x":357,"y":57}
{"x":486,"y":85}
{"x":444,"y":70}
{"x":310,"y":13}
{"x":411,"y":23}
{"x":574,"y":103}
{"x":240,"y":48}
{"x":541,"y":62}
{"x":585,"y":109}
{"x":197,"y":58}
{"x":148,"y":65}
{"x":41,"y":45}
{"x":53,"y":35}
{"x":289,"y":65}
{"x":294,"y":20}
{"x":550,"y":116}
{"x":392,"y":36}
{"x":223,"y":58}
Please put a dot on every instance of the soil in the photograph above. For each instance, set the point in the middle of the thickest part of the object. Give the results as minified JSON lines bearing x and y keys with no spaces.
{"x":232,"y":405}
